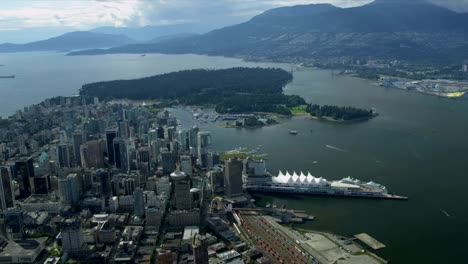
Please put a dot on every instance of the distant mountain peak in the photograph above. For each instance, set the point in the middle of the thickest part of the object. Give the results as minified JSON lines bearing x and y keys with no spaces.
{"x":401,"y":2}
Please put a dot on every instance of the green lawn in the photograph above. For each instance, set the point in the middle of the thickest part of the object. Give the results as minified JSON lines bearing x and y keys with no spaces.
{"x":298,"y":110}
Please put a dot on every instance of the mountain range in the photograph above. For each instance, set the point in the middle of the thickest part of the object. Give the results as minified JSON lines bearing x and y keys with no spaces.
{"x":70,"y":41}
{"x":415,"y":30}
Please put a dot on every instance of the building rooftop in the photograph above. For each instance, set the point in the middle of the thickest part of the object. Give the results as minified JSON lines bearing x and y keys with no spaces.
{"x":26,"y":248}
{"x":42,"y":198}
{"x":190,"y":232}
{"x":228,"y":255}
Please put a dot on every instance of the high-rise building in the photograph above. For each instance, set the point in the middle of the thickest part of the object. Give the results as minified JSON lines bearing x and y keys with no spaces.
{"x":143,"y":154}
{"x":138,"y":199}
{"x":111,"y":134}
{"x":465,"y":68}
{"x":200,"y":249}
{"x":124,"y":129}
{"x":72,"y":236}
{"x":7,"y":198}
{"x":64,"y":158}
{"x":184,"y":139}
{"x":78,"y":140}
{"x":203,"y":142}
{"x":233,"y":177}
{"x":14,"y":223}
{"x":42,"y":184}
{"x":92,"y":154}
{"x":160,"y":132}
{"x":216,"y":179}
{"x":213,"y":159}
{"x":182,"y":196}
{"x":69,"y":190}
{"x":103,"y":177}
{"x":186,"y":165}
{"x":24,"y":174}
{"x":167,"y":160}
{"x":193,"y":136}
{"x":169,"y":133}
{"x":68,"y":120}
{"x":122,"y":160}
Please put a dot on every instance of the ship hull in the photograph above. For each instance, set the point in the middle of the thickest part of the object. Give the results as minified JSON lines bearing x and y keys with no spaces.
{"x":325,"y":192}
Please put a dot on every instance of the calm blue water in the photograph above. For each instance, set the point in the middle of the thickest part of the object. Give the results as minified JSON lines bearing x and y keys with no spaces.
{"x":417,"y":147}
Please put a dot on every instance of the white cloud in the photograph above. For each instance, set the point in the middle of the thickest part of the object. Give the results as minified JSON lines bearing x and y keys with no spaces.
{"x":83,"y":14}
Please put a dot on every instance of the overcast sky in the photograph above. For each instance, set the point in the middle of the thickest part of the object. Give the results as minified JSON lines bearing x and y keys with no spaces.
{"x":25,"y":20}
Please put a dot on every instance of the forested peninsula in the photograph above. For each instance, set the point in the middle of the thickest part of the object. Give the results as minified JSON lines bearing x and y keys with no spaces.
{"x":235,"y":90}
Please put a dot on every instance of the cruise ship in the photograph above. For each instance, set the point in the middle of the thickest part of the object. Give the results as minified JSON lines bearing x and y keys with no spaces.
{"x":310,"y":185}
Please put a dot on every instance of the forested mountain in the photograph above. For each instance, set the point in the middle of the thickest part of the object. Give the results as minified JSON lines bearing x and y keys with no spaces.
{"x":415,"y":30}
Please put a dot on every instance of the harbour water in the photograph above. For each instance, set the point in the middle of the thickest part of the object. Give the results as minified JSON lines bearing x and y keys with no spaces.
{"x":417,"y":147}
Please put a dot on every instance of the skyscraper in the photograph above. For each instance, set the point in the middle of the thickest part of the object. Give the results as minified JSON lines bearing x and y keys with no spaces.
{"x":24,"y":174}
{"x":122,"y":160}
{"x":63,"y":153}
{"x":216,"y":179}
{"x":92,"y":154}
{"x":186,"y":164}
{"x":212,"y":160}
{"x":69,"y":190}
{"x":72,"y":236}
{"x":233,"y":177}
{"x":14,"y":223}
{"x":124,"y":129}
{"x":200,"y":249}
{"x":193,"y":135}
{"x":184,"y":139}
{"x":168,"y":164}
{"x":182,"y":195}
{"x":138,"y":199}
{"x":78,"y":140}
{"x":103,"y":178}
{"x":42,"y":184}
{"x":7,"y":198}
{"x":203,"y":142}
{"x":111,"y":134}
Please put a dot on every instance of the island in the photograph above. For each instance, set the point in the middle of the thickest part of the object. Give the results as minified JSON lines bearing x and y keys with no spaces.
{"x":234,"y":90}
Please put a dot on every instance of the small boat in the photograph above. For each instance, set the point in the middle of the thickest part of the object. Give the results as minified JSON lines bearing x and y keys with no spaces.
{"x":315,"y":162}
{"x":7,"y":76}
{"x":143,"y":55}
{"x":293,"y":132}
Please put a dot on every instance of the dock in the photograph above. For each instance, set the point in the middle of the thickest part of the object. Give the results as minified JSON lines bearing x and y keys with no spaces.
{"x":369,"y":241}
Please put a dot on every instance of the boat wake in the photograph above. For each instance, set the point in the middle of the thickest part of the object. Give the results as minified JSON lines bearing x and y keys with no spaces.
{"x":335,"y":148}
{"x":445,"y":213}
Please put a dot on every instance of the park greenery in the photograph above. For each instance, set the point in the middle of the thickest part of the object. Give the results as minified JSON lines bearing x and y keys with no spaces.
{"x":339,"y":113}
{"x":240,"y":155}
{"x":235,"y":90}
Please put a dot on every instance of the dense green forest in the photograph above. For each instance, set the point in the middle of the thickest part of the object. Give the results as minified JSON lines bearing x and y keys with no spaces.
{"x":234,"y":90}
{"x":339,"y":113}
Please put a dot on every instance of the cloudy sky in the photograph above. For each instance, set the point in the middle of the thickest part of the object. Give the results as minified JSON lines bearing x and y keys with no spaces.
{"x":26,"y":20}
